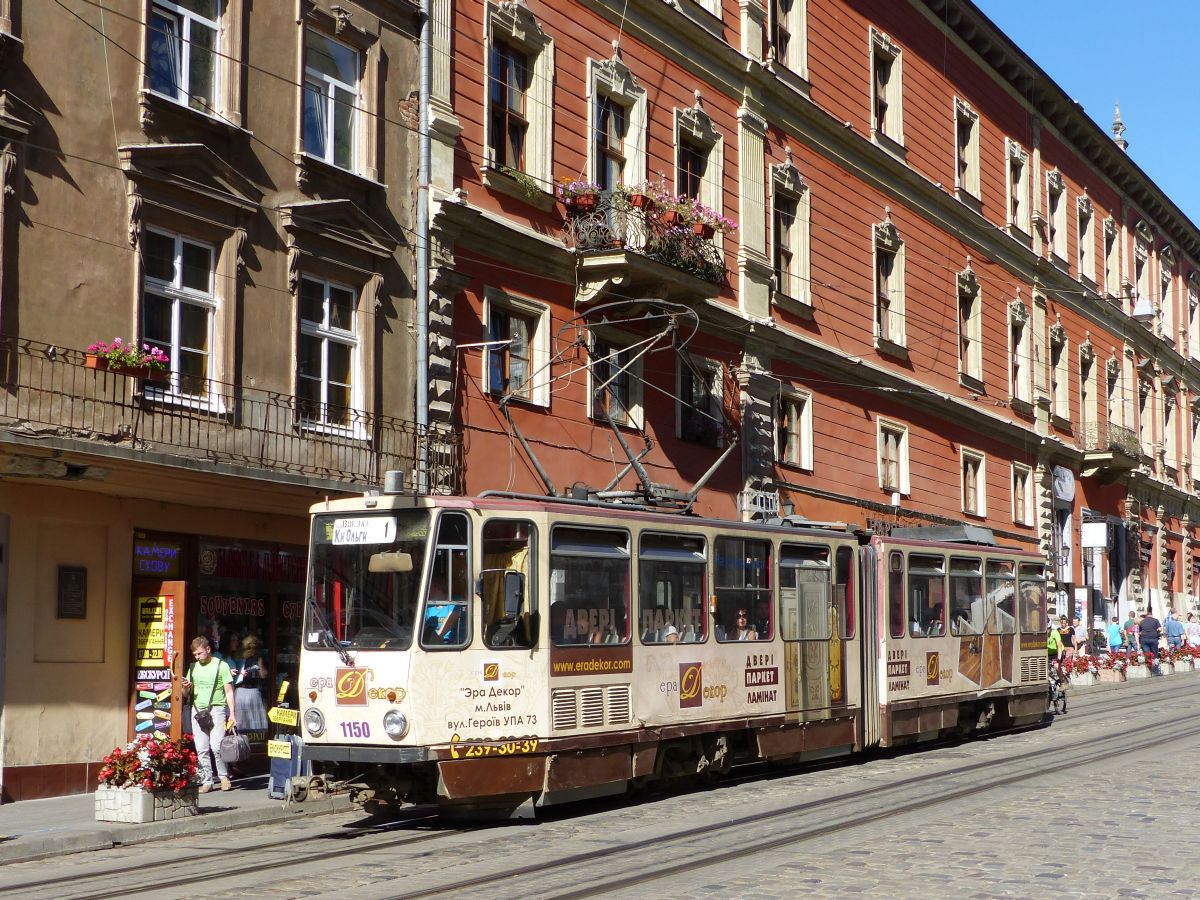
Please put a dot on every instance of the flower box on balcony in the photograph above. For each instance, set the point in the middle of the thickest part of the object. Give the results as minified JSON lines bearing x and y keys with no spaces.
{"x":641,"y":201}
{"x":671,"y":217}
{"x":147,"y":373}
{"x":704,"y":230}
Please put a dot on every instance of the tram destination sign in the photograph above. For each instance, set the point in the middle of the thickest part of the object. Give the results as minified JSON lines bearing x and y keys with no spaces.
{"x":364,"y":530}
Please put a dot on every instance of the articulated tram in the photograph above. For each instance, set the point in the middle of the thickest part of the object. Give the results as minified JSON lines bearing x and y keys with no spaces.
{"x":502,"y":652}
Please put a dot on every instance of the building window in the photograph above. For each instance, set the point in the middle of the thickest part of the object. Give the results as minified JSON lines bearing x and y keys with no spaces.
{"x":790,"y":205}
{"x":974,"y":493}
{"x":1193,"y":313}
{"x":615,"y":388}
{"x":1022,"y":494}
{"x":1087,"y":241}
{"x":519,"y":101}
{"x":178,"y":307}
{"x":793,"y":430}
{"x":970,"y":326}
{"x":1087,"y":385}
{"x":1018,"y":188}
{"x":1170,"y":441}
{"x":184,"y":50}
{"x":699,"y":158}
{"x":1142,"y":242}
{"x":1166,"y":298}
{"x":1056,"y":214}
{"x":966,"y":149}
{"x":325,"y":381}
{"x":1112,"y":263}
{"x":886,"y":94}
{"x":889,"y":284}
{"x":789,"y":34}
{"x":331,"y":96}
{"x":1060,"y":396}
{"x":1195,"y":444}
{"x":618,"y":125}
{"x":1020,"y":355}
{"x":518,"y":355}
{"x":701,"y":401}
{"x":1145,"y":414}
{"x":893,"y":457}
{"x":689,"y":173}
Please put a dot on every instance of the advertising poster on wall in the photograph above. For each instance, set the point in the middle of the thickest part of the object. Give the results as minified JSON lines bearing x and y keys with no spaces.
{"x":155,"y":654}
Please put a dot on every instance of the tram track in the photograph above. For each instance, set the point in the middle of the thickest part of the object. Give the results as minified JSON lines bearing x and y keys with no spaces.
{"x":372,"y":838}
{"x":697,"y":857}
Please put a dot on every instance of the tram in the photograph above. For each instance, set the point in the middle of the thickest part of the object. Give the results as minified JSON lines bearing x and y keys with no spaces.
{"x":504,"y":652}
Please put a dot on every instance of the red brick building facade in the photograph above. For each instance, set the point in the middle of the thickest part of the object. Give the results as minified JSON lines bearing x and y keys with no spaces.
{"x":951,"y":297}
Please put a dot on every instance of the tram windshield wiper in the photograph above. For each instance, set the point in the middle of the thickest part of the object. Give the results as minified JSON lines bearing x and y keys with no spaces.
{"x":326,"y":633}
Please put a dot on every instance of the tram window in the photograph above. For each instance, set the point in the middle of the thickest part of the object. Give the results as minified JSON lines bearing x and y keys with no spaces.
{"x":843,"y":591}
{"x":447,"y":618}
{"x":671,"y":590}
{"x":589,"y":586}
{"x":508,"y":620}
{"x":353,"y":606}
{"x":967,"y":608}
{"x":927,"y":595}
{"x":1033,"y":598}
{"x":1001,"y":594}
{"x":743,"y":584}
{"x":805,"y":593}
{"x":896,"y":594}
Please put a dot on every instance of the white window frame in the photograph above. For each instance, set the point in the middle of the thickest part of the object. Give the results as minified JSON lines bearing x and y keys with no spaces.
{"x":1143,"y":242}
{"x":327,"y":334}
{"x":802,"y":457}
{"x":698,"y":128}
{"x":967,"y":184}
{"x":1020,"y":351}
{"x":796,"y":25}
{"x":1193,"y":310}
{"x":169,"y":391}
{"x":539,"y":345}
{"x":1022,"y":487}
{"x":1195,"y":443}
{"x":612,"y":78}
{"x":1170,"y":441}
{"x":330,"y":86}
{"x":970,"y":364}
{"x":899,"y":431}
{"x":1166,"y":295}
{"x":715,"y":371}
{"x":1146,"y":402}
{"x":890,"y":132}
{"x":1060,"y":373}
{"x":515,"y":25}
{"x":1088,"y":408}
{"x":618,"y":344}
{"x":1084,"y":217}
{"x":1017,"y":181}
{"x":1112,"y":259}
{"x":973,"y":499}
{"x":890,"y":316}
{"x":1056,"y":214}
{"x":186,"y":19}
{"x":787,"y":184}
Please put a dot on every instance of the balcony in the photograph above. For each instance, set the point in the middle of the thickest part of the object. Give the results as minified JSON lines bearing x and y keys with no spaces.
{"x":48,"y":394}
{"x":635,"y":247}
{"x":1108,"y":450}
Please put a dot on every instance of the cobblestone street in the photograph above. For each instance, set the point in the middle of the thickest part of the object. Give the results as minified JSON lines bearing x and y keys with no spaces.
{"x":974,"y":820}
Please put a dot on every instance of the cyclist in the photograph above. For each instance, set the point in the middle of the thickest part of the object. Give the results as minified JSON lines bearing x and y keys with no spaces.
{"x":1055,"y":648}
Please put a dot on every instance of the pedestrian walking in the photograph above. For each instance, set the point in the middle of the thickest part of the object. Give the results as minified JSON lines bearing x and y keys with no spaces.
{"x":1132,"y":645}
{"x":1174,"y":630}
{"x":1149,"y":630}
{"x":1081,"y":637}
{"x":1116,"y":636}
{"x":1067,"y":635}
{"x":1191,"y":631}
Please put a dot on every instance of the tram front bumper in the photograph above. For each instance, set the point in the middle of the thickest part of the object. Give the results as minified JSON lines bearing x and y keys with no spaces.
{"x":354,"y":754}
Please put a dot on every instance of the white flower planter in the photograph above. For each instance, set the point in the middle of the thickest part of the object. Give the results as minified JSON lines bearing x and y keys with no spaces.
{"x":1082,"y":679}
{"x":1137,"y":672}
{"x":1184,"y":665}
{"x":1112,"y":675}
{"x":138,"y":805}
{"x":1166,"y":668}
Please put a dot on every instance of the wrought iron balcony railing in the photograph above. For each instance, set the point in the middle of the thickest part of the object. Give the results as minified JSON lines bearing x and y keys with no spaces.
{"x":1103,"y":436}
{"x":49,"y":392}
{"x":614,"y":223}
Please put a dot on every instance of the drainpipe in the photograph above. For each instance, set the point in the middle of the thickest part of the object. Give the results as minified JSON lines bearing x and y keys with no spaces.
{"x":422,"y":249}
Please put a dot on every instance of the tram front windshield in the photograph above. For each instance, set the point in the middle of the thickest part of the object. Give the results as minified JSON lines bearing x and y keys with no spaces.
{"x":365,"y":580}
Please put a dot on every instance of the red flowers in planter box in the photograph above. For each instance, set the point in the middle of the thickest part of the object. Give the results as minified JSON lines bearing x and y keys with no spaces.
{"x":151,"y":763}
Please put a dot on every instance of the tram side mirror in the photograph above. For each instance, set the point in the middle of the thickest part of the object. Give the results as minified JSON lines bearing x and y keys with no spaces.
{"x":514,"y":593}
{"x":390,"y":561}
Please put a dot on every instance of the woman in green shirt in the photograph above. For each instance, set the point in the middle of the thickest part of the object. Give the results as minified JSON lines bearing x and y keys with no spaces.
{"x":210,"y":683}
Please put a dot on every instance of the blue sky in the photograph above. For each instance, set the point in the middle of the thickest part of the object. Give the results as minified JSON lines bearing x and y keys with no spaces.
{"x":1143,"y":54}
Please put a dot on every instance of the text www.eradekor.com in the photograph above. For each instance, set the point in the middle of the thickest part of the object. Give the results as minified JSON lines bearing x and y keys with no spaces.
{"x":585,"y":666}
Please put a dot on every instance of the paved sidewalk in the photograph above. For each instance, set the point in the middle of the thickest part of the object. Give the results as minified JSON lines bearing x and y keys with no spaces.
{"x":33,"y":829}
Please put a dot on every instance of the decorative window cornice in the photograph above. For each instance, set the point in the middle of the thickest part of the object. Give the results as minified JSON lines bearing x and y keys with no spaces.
{"x":786,"y":178}
{"x":1054,"y":181}
{"x":1166,"y":257}
{"x":517,"y":23}
{"x":616,"y":79}
{"x":964,"y":112}
{"x":1018,"y":313}
{"x":1016,"y":152}
{"x":887,"y":236}
{"x":968,"y":284}
{"x":883,"y":42}
{"x":1084,"y":204}
{"x":1144,"y":236}
{"x":1110,"y":227}
{"x":1087,"y":353}
{"x":696,"y":124}
{"x":1112,"y":368}
{"x":1058,"y":336}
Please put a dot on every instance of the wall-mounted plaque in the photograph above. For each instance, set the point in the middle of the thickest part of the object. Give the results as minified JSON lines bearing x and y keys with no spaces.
{"x":72,"y":592}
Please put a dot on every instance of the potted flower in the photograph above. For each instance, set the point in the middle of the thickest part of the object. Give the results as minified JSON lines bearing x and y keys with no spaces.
{"x":147,"y":780}
{"x":1113,"y":667}
{"x":578,"y":196}
{"x":1166,"y":664}
{"x":1084,"y":671}
{"x":1138,"y":667}
{"x":127,"y":358}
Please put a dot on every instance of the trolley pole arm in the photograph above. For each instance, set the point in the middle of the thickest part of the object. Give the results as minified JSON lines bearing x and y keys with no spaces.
{"x":550,"y":489}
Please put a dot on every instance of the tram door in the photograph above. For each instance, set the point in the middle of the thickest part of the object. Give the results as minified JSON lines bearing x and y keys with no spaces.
{"x":869,"y":644}
{"x":806,"y":625}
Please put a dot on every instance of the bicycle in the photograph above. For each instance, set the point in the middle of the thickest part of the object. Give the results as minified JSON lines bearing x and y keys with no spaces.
{"x":1057,"y":690}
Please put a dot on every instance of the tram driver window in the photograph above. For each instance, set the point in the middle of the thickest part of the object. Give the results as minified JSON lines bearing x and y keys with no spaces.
{"x":967,"y":612}
{"x":447,"y":619}
{"x":507,"y":595}
{"x":589,"y":586}
{"x":926,"y":595}
{"x":1033,"y":598}
{"x":1001,"y":595}
{"x":896,"y":594}
{"x":743,"y":585}
{"x":671,"y":589}
{"x":843,"y":592}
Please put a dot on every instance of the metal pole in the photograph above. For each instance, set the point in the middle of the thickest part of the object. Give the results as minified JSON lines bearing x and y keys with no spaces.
{"x":422,"y":250}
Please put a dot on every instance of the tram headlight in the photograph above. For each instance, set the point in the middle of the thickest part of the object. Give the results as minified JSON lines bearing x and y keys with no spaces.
{"x":314,"y":722}
{"x":395,"y":723}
